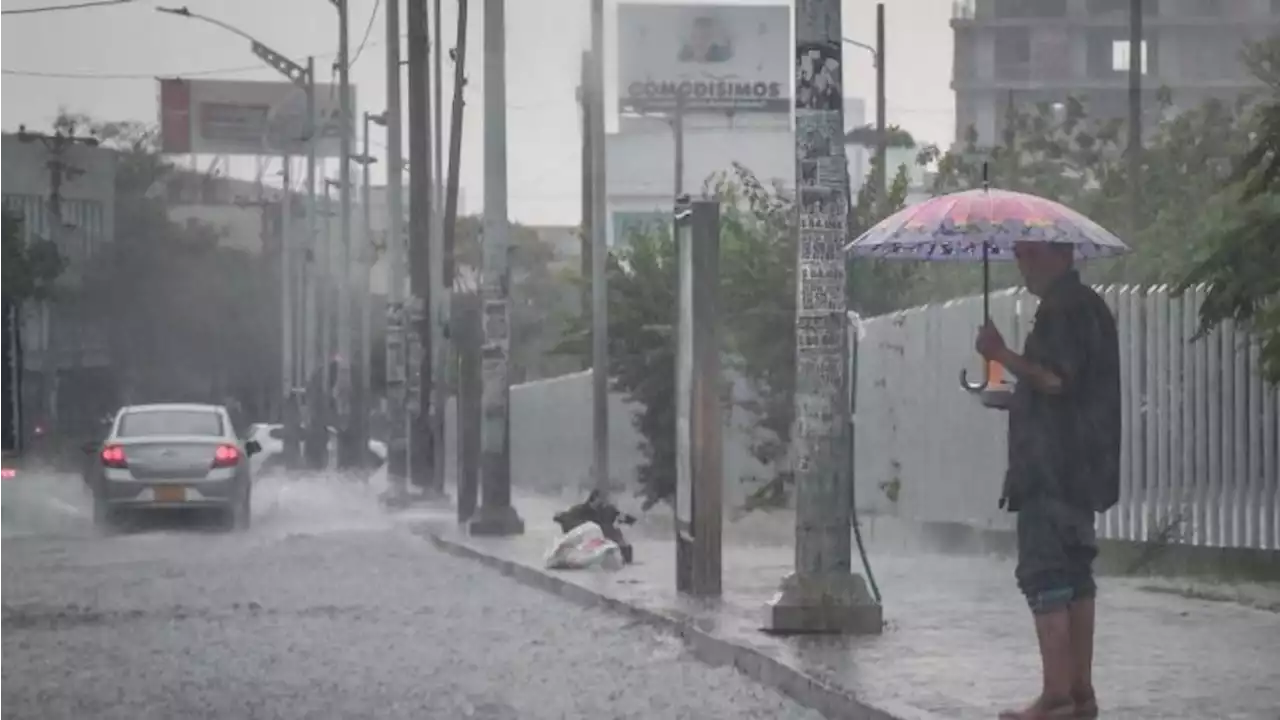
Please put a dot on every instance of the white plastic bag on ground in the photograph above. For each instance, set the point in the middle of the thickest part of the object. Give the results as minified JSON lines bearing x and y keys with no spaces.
{"x":584,"y":547}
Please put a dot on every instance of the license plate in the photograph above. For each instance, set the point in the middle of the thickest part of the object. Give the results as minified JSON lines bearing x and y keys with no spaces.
{"x":171,"y":494}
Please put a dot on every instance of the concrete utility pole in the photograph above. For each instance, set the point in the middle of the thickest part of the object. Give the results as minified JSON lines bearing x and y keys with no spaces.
{"x":823,"y":594}
{"x":289,"y":280}
{"x":1136,"y":58}
{"x":286,"y":286}
{"x":60,"y":171}
{"x":599,"y":255}
{"x":439,"y":280}
{"x":464,"y":310}
{"x":421,"y":463}
{"x":496,"y":516}
{"x":310,"y":360}
{"x":347,"y":447}
{"x":588,"y":160}
{"x":397,"y":439}
{"x":455,"y":145}
{"x":367,"y":258}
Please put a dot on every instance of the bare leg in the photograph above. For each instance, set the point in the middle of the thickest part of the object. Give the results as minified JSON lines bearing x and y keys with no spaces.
{"x":1053,"y":630}
{"x":1081,"y":614}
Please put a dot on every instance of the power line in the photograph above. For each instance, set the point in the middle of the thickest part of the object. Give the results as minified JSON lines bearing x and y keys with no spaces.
{"x":154,"y":75}
{"x":60,"y":8}
{"x":129,"y":76}
{"x":367,"y":29}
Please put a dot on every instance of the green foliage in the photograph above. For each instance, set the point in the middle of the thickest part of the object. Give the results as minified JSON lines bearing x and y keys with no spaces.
{"x":1239,"y":257}
{"x":866,"y":136}
{"x":642,"y":303}
{"x":544,"y":296}
{"x":186,"y":317}
{"x":1065,"y":155}
{"x":757,"y":301}
{"x":31,"y":267}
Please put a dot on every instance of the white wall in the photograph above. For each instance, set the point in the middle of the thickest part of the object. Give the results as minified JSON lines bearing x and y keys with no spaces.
{"x":551,"y":442}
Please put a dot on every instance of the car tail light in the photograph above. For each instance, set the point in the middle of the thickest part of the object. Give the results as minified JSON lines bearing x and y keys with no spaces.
{"x":226,"y":456}
{"x":113,"y":457}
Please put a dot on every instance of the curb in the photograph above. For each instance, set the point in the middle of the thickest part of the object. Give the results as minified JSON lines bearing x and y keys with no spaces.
{"x":831,"y":701}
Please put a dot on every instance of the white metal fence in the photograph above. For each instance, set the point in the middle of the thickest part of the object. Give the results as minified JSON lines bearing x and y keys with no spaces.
{"x":1201,"y":431}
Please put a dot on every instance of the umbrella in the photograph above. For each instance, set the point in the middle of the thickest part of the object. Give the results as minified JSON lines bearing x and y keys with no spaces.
{"x":982,"y":225}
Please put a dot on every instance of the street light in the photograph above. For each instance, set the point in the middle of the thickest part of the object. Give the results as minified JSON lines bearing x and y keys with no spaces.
{"x":882,"y":138}
{"x":304,"y":78}
{"x":875,"y":56}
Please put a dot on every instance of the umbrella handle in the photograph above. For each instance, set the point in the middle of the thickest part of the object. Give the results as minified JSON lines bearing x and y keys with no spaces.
{"x":972,"y":387}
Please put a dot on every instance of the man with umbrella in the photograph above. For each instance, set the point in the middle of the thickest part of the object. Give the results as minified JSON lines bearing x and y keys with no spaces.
{"x":1064,"y":455}
{"x":1064,"y":413}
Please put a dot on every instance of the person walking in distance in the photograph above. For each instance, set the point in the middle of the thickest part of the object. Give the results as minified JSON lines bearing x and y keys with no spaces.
{"x":1064,"y":466}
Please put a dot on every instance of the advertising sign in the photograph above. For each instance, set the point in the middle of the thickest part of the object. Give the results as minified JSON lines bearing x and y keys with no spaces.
{"x":720,"y":58}
{"x":236,"y":117}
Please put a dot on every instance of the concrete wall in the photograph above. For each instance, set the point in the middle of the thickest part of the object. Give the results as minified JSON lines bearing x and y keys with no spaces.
{"x":551,"y":440}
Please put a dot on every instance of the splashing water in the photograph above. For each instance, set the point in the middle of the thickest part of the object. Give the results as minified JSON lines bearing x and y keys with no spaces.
{"x":44,"y":502}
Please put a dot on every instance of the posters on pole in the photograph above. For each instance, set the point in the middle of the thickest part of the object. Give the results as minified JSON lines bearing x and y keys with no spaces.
{"x":236,"y":117}
{"x":823,"y":193}
{"x":722,"y":58}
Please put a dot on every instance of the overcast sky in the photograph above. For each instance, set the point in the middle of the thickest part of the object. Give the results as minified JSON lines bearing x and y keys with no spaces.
{"x":122,"y":48}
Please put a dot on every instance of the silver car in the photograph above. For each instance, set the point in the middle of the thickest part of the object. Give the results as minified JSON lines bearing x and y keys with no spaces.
{"x":173,"y":456}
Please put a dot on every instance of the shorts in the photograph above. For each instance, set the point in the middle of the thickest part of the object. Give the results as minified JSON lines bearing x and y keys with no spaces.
{"x":1057,"y":543}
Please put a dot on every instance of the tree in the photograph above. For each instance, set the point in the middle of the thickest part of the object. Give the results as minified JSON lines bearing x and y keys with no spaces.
{"x":31,"y":266}
{"x":543,"y":297}
{"x":187,"y":318}
{"x":1061,"y":153}
{"x":757,"y":300}
{"x":1239,"y":259}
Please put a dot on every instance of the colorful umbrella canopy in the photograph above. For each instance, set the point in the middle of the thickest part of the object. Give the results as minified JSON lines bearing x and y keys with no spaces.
{"x":957,"y":226}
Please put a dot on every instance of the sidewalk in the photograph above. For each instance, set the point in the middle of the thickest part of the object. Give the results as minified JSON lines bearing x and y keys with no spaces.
{"x":958,"y":642}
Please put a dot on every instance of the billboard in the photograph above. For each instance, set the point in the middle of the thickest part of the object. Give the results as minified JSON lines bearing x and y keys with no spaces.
{"x":237,"y":117}
{"x":721,"y":58}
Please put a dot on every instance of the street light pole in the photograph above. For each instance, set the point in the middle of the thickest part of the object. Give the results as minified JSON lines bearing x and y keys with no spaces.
{"x":882,"y":137}
{"x":881,"y":183}
{"x":305,"y":78}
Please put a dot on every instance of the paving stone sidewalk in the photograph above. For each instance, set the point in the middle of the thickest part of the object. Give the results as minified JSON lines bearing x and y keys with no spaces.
{"x":958,"y":640}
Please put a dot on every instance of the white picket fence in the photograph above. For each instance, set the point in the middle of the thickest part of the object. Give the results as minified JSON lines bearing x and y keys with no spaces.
{"x":1201,"y":431}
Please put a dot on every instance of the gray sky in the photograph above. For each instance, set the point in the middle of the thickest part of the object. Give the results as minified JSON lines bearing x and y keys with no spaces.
{"x":544,"y":42}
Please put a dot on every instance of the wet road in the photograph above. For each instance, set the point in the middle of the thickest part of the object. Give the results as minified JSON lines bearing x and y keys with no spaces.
{"x":325,"y":609}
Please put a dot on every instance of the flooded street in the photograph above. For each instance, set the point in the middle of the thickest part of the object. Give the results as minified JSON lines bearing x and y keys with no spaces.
{"x":326,"y":608}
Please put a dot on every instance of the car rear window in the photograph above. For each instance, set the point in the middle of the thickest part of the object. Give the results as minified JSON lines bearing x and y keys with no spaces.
{"x":170,"y":422}
{"x":276,"y":433}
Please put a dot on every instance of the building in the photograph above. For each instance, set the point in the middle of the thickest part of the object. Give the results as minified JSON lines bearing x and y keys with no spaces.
{"x":65,"y":355}
{"x":641,"y":159}
{"x":1030,"y":51}
{"x":245,"y":214}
